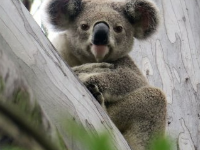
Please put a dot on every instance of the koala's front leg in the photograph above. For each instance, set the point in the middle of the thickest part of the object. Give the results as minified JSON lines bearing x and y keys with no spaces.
{"x":93,"y":67}
{"x":93,"y":75}
{"x":113,"y":83}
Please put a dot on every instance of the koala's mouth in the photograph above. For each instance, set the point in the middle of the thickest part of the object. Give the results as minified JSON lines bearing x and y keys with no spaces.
{"x":99,"y":51}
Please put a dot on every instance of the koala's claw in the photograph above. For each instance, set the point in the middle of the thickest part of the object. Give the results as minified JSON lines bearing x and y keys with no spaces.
{"x":96,"y":93}
{"x":99,"y":97}
{"x":93,"y":88}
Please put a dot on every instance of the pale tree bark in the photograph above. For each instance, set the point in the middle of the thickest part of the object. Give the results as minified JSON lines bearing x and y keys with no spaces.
{"x":22,"y":122}
{"x":54,"y":86}
{"x":171,"y":60}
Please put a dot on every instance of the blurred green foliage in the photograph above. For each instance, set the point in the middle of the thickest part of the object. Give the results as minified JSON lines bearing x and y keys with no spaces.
{"x":161,"y":143}
{"x":89,"y":140}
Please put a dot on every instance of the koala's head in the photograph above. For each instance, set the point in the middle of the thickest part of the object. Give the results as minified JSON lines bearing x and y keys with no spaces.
{"x":101,"y":30}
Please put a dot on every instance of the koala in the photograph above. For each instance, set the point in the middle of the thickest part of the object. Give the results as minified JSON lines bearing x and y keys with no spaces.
{"x":94,"y":37}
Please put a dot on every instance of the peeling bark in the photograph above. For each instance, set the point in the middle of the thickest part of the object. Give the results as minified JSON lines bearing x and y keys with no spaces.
{"x":171,"y":61}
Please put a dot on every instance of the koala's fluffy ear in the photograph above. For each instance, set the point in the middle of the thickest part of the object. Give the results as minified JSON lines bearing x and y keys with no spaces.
{"x":144,"y":17}
{"x":57,"y":14}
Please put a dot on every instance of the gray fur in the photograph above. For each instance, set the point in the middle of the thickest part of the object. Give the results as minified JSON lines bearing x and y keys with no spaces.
{"x":137,"y":109}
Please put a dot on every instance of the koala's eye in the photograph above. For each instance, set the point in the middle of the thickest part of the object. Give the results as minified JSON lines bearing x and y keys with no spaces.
{"x":85,"y":27}
{"x":118,"y":29}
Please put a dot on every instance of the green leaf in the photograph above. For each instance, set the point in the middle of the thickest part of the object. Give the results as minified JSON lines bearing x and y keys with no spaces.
{"x":88,"y":140}
{"x":161,"y":143}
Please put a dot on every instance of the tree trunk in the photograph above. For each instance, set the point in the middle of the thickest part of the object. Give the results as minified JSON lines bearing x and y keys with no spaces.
{"x":171,"y":60}
{"x":54,"y":85}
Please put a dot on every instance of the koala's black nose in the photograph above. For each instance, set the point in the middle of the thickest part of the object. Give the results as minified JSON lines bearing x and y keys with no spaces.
{"x":100,"y":34}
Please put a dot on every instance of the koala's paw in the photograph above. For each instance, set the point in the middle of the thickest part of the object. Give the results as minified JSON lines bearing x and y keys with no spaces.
{"x":96,"y":93}
{"x":95,"y":84}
